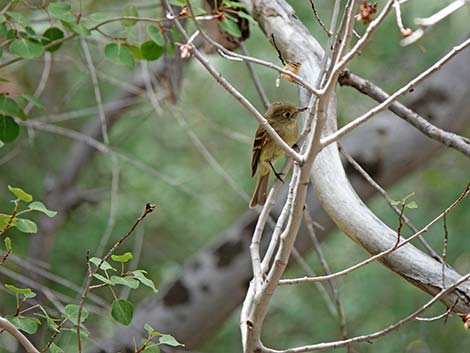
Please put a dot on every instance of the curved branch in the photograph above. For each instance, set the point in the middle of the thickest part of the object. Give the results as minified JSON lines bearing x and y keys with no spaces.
{"x":11,"y":329}
{"x":333,"y":188}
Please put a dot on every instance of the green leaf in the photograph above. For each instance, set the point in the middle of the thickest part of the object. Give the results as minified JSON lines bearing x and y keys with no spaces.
{"x":18,"y":18}
{"x":105,"y":266}
{"x":156,"y":35}
{"x":1,"y":144}
{"x":50,"y":35}
{"x":151,"y":50}
{"x":396,"y":202}
{"x":119,"y":54}
{"x":26,"y":48}
{"x":7,"y":242}
{"x":77,"y":28}
{"x":23,"y":323}
{"x":2,"y":19}
{"x":27,"y":292}
{"x":140,"y":276}
{"x":178,"y":2}
{"x":39,"y":206}
{"x":135,"y":50}
{"x":122,"y":311}
{"x":130,"y":10}
{"x":235,"y":4}
{"x":71,"y":312}
{"x":128,"y":282}
{"x":55,"y":348}
{"x":4,"y":220}
{"x":230,"y":26}
{"x":151,"y":331}
{"x":61,"y":10}
{"x":122,"y":258}
{"x":250,"y":19}
{"x":26,"y":225}
{"x":33,"y":100}
{"x":169,"y":340}
{"x":412,"y":204}
{"x":100,"y":16}
{"x":20,"y":194}
{"x":103,"y":279}
{"x":9,"y":106}
{"x":148,"y":328}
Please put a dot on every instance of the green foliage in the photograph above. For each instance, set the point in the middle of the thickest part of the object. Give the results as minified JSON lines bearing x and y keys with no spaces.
{"x":27,"y":48}
{"x":24,"y":323}
{"x":122,"y":311}
{"x":230,"y":26}
{"x":122,"y":258}
{"x":71,"y":313}
{"x":156,"y":35}
{"x":20,"y":194}
{"x":50,"y":35}
{"x":56,"y":349}
{"x":9,"y":129}
{"x":151,"y":50}
{"x":61,"y":11}
{"x":119,"y":54}
{"x":129,"y":11}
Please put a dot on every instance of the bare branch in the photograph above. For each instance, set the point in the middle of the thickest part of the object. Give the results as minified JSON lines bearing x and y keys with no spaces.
{"x":384,"y":105}
{"x":10,"y":328}
{"x":450,"y":139}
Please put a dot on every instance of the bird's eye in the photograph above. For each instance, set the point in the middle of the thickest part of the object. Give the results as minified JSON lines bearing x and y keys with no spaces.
{"x":287,"y":114}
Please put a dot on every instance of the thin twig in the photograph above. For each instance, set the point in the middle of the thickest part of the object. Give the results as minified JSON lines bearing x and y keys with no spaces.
{"x":371,"y":112}
{"x":389,"y":200}
{"x":150,"y":207}
{"x":317,"y":16}
{"x":256,"y":81}
{"x":464,"y":194}
{"x":460,"y":143}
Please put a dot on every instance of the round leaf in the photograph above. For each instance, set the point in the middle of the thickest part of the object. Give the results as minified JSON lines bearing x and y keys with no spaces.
{"x":122,"y":311}
{"x":55,"y":348}
{"x":26,"y":48}
{"x":231,"y":27}
{"x":151,"y":50}
{"x":61,"y":10}
{"x":156,"y":35}
{"x":9,"y":129}
{"x":26,"y":324}
{"x":50,"y":35}
{"x":130,"y":10}
{"x":71,"y":311}
{"x":26,"y":225}
{"x":119,"y":54}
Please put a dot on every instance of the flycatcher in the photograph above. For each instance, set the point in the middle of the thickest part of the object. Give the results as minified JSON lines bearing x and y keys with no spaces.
{"x":281,"y":116}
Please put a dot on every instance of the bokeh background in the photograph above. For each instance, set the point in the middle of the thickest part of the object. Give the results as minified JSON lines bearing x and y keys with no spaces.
{"x":373,"y":297}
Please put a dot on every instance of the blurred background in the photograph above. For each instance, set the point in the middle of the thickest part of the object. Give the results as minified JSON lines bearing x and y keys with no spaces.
{"x":163,"y":163}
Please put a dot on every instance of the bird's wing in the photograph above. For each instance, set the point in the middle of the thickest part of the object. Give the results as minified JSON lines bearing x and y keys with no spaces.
{"x":261,"y":138}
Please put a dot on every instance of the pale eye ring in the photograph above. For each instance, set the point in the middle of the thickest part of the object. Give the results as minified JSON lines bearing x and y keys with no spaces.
{"x":287,"y":114}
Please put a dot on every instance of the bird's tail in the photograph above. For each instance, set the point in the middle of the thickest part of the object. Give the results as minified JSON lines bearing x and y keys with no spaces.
{"x":261,"y":191}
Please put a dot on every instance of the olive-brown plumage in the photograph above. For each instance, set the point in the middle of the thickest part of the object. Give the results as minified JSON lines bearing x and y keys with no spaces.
{"x":281,"y":116}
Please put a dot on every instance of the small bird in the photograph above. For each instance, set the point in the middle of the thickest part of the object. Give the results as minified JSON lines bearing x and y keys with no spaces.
{"x":281,"y":116}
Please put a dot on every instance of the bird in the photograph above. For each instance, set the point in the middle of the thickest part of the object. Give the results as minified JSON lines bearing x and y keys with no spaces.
{"x":282,"y":118}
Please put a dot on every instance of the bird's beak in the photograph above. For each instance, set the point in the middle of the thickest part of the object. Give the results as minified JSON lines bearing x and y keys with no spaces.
{"x":299,"y":110}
